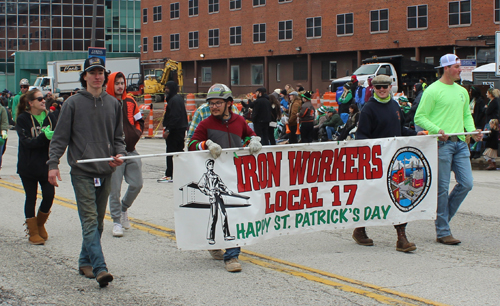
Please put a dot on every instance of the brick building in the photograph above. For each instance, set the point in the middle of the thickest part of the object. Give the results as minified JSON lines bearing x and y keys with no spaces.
{"x":247,"y":44}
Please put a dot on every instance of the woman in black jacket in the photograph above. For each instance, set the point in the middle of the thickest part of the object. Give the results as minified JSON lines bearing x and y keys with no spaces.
{"x":35,"y":127}
{"x":477,"y":107}
{"x":491,"y":110}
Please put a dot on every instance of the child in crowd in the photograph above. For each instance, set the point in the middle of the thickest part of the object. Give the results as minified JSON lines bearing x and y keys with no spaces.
{"x":491,"y":144}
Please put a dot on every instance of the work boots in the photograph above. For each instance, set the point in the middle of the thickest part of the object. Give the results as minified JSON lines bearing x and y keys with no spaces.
{"x":41,"y":218}
{"x":403,"y":245}
{"x":359,"y":235}
{"x":32,"y":231}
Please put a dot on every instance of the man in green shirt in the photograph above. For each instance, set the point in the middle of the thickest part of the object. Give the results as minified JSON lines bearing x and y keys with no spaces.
{"x":444,"y":108}
{"x":25,"y":85}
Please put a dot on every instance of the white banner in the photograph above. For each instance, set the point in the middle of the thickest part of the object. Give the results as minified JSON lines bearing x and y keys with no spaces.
{"x":241,"y":199}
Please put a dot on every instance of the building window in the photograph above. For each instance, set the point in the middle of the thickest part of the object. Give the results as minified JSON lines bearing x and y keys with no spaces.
{"x":206,"y":74}
{"x":257,"y":72}
{"x":459,"y":13}
{"x":213,"y":38}
{"x":417,"y":17}
{"x":213,"y":6}
{"x":379,"y":21}
{"x":300,"y":70}
{"x":328,"y":70}
{"x":235,"y":4}
{"x":174,"y":10}
{"x":235,"y":35}
{"x":278,"y":78}
{"x":345,"y":24}
{"x":259,"y":33}
{"x":259,"y":2}
{"x":429,"y":60}
{"x":145,"y":15}
{"x":157,"y":13}
{"x":174,"y":41}
{"x":157,"y":43}
{"x":284,"y":1}
{"x":285,"y":30}
{"x":193,"y":40}
{"x":144,"y":45}
{"x":235,"y":75}
{"x":193,"y":7}
{"x":497,"y":10}
{"x":313,"y":27}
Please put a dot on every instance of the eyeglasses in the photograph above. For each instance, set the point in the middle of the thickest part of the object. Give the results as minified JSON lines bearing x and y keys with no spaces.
{"x":40,"y":99}
{"x":381,"y":86}
{"x":24,"y":86}
{"x":216,"y":104}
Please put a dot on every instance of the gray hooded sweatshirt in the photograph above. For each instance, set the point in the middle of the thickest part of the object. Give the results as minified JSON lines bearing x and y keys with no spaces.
{"x":91,"y":128}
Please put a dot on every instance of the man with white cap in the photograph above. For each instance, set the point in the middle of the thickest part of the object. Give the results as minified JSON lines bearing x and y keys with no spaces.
{"x":444,"y":108}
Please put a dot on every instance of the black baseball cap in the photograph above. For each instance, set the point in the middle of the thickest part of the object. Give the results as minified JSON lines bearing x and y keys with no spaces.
{"x":92,"y":63}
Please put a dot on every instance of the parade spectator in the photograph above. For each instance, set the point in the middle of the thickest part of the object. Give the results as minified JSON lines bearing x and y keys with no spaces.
{"x":359,"y":95}
{"x":491,"y":109}
{"x":35,"y":128}
{"x":299,"y":88}
{"x":382,"y":117}
{"x":262,"y":115}
{"x":369,"y":90}
{"x":351,"y":122}
{"x":49,"y":99}
{"x":306,"y":118}
{"x":344,"y":101}
{"x":295,"y":105}
{"x":275,"y":117}
{"x":202,"y":113}
{"x":131,"y":169}
{"x":223,"y":129}
{"x":354,"y":83}
{"x":491,"y":144}
{"x":332,"y":123}
{"x":284,"y":101}
{"x":24,"y":85}
{"x":403,"y":103}
{"x":477,"y":107}
{"x":90,"y":126}
{"x":410,"y":118}
{"x":4,"y":126}
{"x":319,"y":128}
{"x":444,"y":108}
{"x":175,"y":125}
{"x":423,"y":81}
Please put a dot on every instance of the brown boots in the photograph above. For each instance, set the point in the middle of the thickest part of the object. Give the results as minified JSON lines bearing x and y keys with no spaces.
{"x":491,"y":165}
{"x":32,"y":230}
{"x":403,"y":245}
{"x":359,"y":235}
{"x":41,"y":219}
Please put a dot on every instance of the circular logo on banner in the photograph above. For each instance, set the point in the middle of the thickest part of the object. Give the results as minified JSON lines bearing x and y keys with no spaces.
{"x":408,"y":178}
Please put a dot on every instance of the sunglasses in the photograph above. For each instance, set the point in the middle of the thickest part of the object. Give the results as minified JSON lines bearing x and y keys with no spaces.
{"x":24,"y":86}
{"x":381,"y":86}
{"x":40,"y":99}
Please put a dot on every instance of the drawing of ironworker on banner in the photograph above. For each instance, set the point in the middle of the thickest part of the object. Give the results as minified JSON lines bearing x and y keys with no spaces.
{"x":240,"y":199}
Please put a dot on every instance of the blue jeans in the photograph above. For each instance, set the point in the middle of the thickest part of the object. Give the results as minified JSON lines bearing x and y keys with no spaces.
{"x":453,"y":156}
{"x":91,"y":202}
{"x":330,"y":130}
{"x":232,"y":253}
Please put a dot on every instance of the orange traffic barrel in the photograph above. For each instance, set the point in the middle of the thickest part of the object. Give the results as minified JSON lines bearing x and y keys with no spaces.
{"x":191,"y":104}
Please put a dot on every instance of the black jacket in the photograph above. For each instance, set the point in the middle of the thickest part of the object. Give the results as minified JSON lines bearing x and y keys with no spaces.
{"x":380,"y":120}
{"x":479,"y":115}
{"x":262,"y":110}
{"x":175,"y":115}
{"x":491,"y":140}
{"x":492,"y":110}
{"x":33,"y":150}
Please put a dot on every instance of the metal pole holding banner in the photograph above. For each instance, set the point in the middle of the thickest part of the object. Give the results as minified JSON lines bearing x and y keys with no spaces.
{"x":94,"y":160}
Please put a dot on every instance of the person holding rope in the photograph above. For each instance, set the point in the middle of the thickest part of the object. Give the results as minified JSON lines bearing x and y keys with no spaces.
{"x":90,"y":126}
{"x":444,"y":108}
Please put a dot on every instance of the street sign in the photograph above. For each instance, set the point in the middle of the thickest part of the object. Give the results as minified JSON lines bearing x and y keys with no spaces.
{"x":497,"y":53}
{"x":98,"y":52}
{"x":467,"y":66}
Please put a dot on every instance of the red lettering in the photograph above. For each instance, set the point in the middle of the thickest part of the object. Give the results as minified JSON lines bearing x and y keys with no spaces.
{"x":336,"y":195}
{"x":291,"y":204}
{"x":269,"y":207}
{"x":338,"y":165}
{"x":262,"y":166}
{"x":352,"y":192}
{"x":250,"y":168}
{"x":313,"y":166}
{"x":351,"y":173}
{"x":377,"y":162}
{"x":274,"y":168}
{"x":304,"y":198}
{"x":281,"y":200}
{"x":315,"y":202}
{"x":297,"y":164}
{"x":239,"y":174}
{"x":364,"y":163}
{"x":325,"y":167}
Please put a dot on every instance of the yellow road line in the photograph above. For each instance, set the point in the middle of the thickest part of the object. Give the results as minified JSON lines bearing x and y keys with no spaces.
{"x":271,"y":262}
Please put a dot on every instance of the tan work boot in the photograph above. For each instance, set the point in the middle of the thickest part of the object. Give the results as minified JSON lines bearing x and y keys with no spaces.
{"x":359,"y":235}
{"x":32,"y":231}
{"x":41,"y":218}
{"x":217,"y":254}
{"x":232,"y":265}
{"x":87,"y":271}
{"x":104,"y":278}
{"x":449,"y":240}
{"x":403,"y":245}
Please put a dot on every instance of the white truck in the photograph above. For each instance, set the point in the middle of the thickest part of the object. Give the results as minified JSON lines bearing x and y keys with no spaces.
{"x":403,"y":72}
{"x":64,"y":76}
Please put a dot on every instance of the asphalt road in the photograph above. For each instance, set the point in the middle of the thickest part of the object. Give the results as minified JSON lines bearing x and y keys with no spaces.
{"x":322,"y":268}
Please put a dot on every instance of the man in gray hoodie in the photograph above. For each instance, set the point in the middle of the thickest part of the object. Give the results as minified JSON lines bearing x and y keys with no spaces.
{"x":90,"y":127}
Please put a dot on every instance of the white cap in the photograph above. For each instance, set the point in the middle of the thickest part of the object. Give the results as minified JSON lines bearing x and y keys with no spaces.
{"x":448,"y":60}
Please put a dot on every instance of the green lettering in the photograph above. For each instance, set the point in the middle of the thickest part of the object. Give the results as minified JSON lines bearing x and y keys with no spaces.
{"x":298,"y":219}
{"x":240,"y":232}
{"x":321,"y":217}
{"x":355,"y":213}
{"x":312,"y":215}
{"x":376,"y":212}
{"x":258,"y":227}
{"x":285,"y":218}
{"x":342,"y":215}
{"x":385,"y":212}
{"x":277,"y":225}
{"x":250,"y":230}
{"x":266,"y":224}
{"x":368,"y":212}
{"x":335,"y":220}
{"x":306,"y":220}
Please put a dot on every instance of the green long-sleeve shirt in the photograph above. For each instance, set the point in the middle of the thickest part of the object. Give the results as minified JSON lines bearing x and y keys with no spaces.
{"x":445,"y":107}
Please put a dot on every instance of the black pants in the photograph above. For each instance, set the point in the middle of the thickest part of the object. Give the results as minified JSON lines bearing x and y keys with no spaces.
{"x":292,"y":136}
{"x":272,"y":140}
{"x":30,"y":189}
{"x":306,"y":132}
{"x":175,"y":143}
{"x":261,"y":129}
